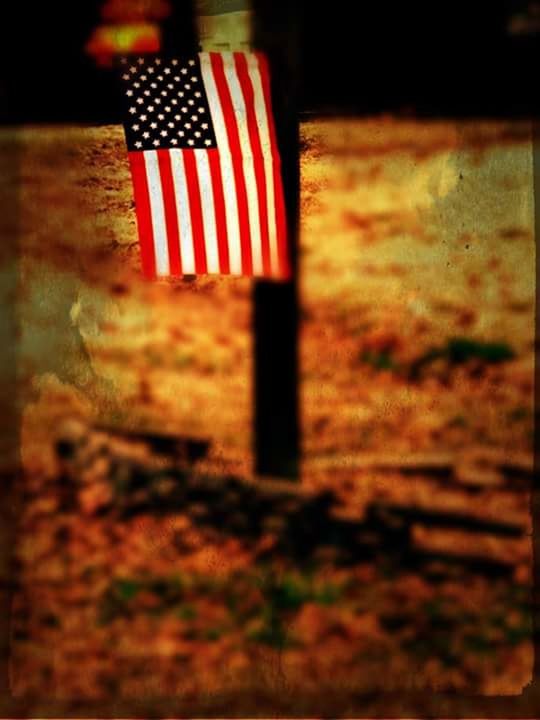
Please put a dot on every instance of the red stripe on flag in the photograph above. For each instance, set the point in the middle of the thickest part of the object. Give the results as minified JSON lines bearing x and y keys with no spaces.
{"x":281,"y":216}
{"x":265,"y":81}
{"x":143,"y":213}
{"x":236,"y":157}
{"x":258,"y":160}
{"x":195,"y":208}
{"x":169,"y":204}
{"x":219,"y":208}
{"x":281,"y":224}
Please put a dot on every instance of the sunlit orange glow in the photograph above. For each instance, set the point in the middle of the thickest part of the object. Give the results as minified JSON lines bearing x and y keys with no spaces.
{"x":110,"y":40}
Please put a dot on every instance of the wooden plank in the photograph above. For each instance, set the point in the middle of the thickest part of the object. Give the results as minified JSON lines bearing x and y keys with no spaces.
{"x":305,"y":524}
{"x":440,"y":518}
{"x":426,"y":463}
{"x":180,"y":447}
{"x":439,"y":564}
{"x":474,"y":468}
{"x":461,"y":543}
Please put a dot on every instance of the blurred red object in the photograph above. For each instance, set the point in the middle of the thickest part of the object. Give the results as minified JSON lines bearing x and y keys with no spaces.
{"x":135,"y":10}
{"x":130,"y":26}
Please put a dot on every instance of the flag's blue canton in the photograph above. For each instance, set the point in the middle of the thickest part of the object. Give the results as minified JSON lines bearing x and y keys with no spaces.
{"x":165,"y":104}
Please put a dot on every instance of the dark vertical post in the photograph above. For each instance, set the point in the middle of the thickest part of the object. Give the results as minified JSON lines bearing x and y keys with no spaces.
{"x":277,"y":436}
{"x":535,"y":497}
{"x":179,"y":32}
{"x":10,"y":401}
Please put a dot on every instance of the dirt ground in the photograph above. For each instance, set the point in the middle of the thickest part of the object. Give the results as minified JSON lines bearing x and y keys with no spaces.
{"x":417,"y":292}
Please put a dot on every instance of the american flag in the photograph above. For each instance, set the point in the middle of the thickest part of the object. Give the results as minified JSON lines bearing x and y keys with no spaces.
{"x":205,"y":165}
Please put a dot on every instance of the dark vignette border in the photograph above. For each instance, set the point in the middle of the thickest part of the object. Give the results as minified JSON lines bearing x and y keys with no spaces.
{"x":279,"y":39}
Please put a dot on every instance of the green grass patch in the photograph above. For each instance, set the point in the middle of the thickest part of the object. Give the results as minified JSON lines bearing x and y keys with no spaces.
{"x":461,"y":350}
{"x":283,"y":597}
{"x":458,"y":421}
{"x":186,"y":612}
{"x":478,"y":644}
{"x":183,"y":360}
{"x":379,"y":360}
{"x":120,"y":598}
{"x":519,"y":414}
{"x":273,"y":635}
{"x":456,"y":351}
{"x":517,"y":635}
{"x":126,"y":589}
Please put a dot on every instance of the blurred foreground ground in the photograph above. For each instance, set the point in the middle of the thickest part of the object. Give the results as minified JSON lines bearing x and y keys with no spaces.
{"x":417,"y":347}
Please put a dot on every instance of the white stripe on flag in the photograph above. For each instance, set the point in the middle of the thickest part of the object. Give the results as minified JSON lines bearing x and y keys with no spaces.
{"x":187,"y":256}
{"x":227,"y":172}
{"x":247,"y":160}
{"x":208,"y":210}
{"x":264,"y":134}
{"x":157,"y":211}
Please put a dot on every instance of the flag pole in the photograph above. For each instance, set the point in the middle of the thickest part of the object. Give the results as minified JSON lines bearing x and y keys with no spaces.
{"x":276,"y":315}
{"x":179,"y":32}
